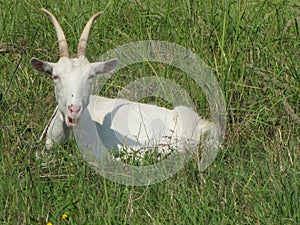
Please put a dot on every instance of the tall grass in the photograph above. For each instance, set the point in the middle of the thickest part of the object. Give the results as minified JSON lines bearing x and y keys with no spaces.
{"x":253,"y":48}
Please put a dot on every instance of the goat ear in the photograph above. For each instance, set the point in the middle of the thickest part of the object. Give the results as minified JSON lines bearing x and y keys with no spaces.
{"x":105,"y":67}
{"x":41,"y":66}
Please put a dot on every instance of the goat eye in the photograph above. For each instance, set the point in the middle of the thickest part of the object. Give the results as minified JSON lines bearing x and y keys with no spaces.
{"x":55,"y":77}
{"x":91,"y":77}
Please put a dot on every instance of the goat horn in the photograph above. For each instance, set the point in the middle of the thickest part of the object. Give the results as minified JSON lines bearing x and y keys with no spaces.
{"x":85,"y":35}
{"x":62,"y":42}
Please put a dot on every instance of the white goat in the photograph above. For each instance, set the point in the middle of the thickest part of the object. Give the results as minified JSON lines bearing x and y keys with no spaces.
{"x":120,"y":123}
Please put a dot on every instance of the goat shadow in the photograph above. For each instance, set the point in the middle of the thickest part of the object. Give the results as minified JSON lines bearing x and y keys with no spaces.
{"x":90,"y":133}
{"x":110,"y":137}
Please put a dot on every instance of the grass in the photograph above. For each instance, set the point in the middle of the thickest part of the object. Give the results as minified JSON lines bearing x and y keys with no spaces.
{"x":253,"y":48}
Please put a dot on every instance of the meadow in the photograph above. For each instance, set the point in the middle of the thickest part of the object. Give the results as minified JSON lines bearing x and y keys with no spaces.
{"x":253,"y":48}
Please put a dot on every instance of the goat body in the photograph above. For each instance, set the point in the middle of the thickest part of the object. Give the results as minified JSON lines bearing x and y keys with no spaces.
{"x":121,"y":123}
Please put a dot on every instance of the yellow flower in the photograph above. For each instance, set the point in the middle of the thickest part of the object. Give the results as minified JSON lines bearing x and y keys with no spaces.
{"x":64,"y":216}
{"x":49,"y":223}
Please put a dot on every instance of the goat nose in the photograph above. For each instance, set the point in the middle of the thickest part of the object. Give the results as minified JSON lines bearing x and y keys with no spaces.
{"x":74,"y":108}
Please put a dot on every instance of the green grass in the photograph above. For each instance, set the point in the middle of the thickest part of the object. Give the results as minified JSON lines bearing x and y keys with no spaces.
{"x":253,"y":48}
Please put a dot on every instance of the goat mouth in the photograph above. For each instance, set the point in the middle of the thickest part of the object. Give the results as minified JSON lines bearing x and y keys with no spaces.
{"x":71,"y":122}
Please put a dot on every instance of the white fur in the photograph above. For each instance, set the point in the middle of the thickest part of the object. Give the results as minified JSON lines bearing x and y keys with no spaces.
{"x":120,"y":123}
